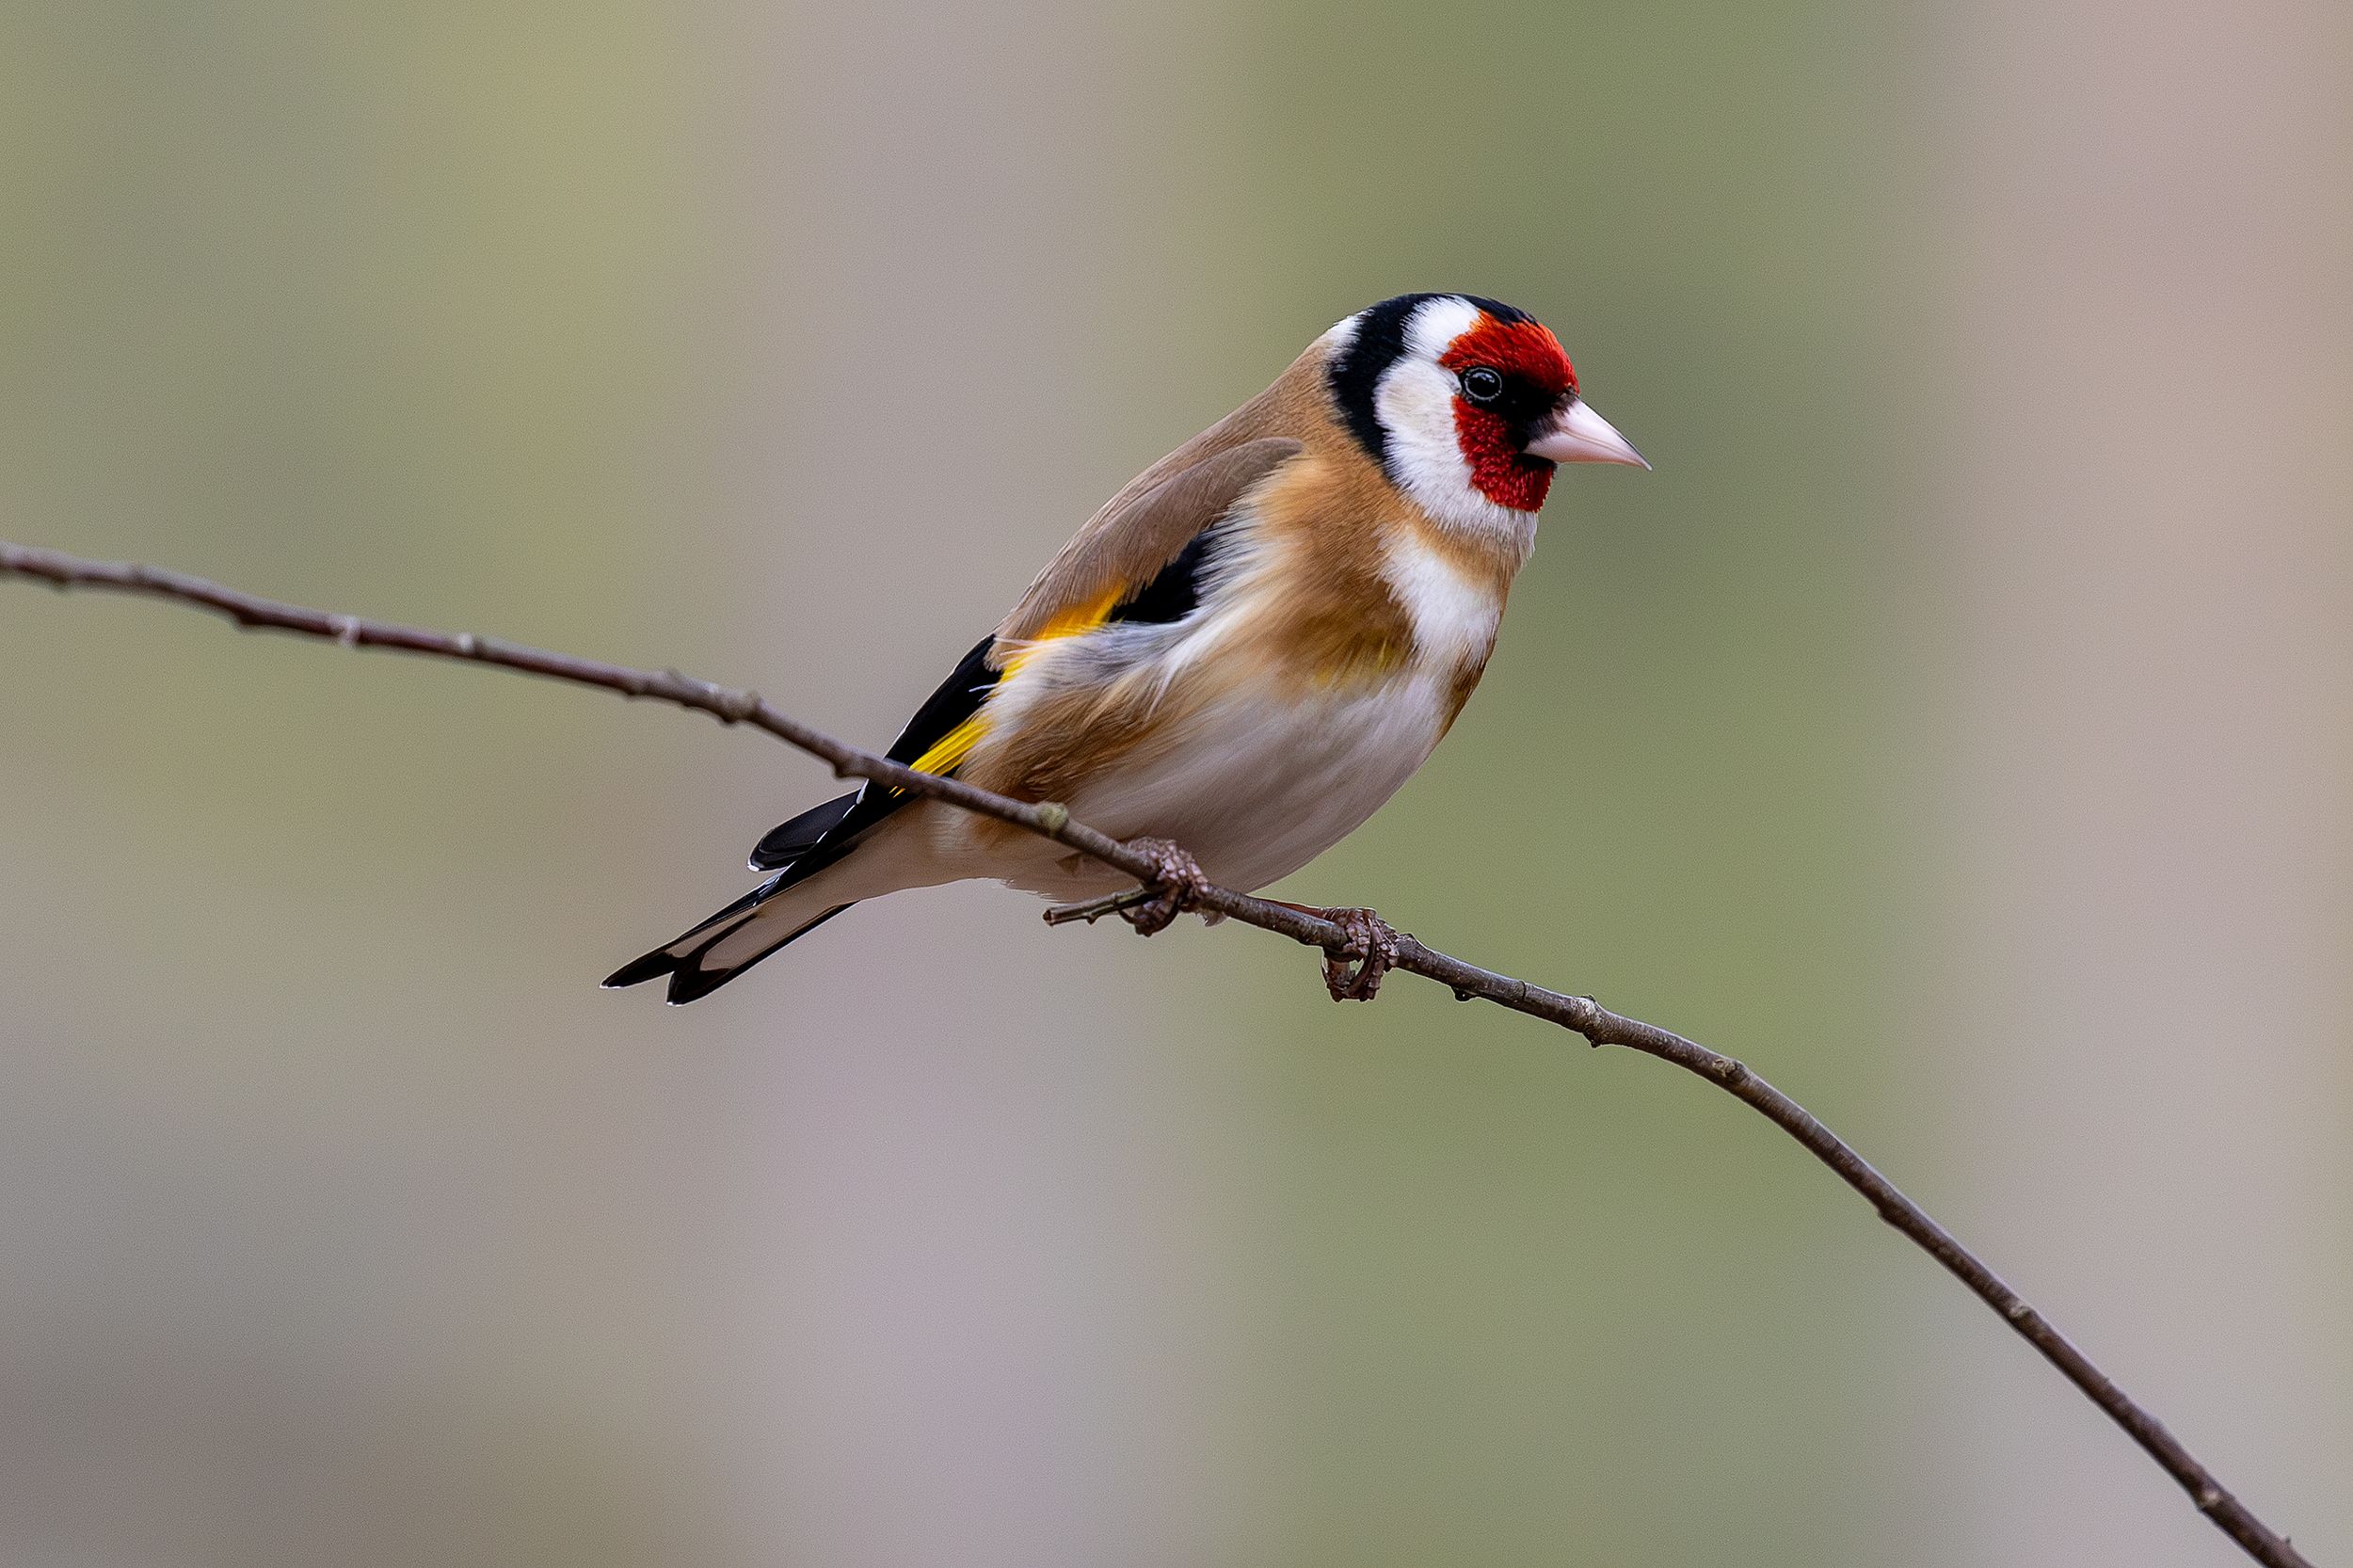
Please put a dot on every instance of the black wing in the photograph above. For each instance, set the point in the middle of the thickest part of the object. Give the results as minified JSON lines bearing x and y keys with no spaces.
{"x":958,"y":699}
{"x":1175,"y":592}
{"x":828,"y":829}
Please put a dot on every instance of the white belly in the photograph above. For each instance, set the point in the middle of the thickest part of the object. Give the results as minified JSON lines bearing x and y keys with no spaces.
{"x":1256,"y":789}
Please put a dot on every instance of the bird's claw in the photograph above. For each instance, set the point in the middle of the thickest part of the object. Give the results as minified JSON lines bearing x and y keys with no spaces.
{"x":1176,"y":886}
{"x":1353,"y":973}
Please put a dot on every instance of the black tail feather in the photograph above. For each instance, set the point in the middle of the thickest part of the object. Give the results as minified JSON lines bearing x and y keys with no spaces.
{"x":668,"y":958}
{"x":795,"y":850}
{"x":689,"y":978}
{"x":690,"y":981}
{"x":788,"y":841}
{"x":660,"y":961}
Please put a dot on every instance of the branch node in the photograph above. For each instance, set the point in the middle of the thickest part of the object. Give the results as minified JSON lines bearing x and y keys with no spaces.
{"x":1587,"y":1013}
{"x":734,"y":707}
{"x":346,"y":629}
{"x":1051,"y":815}
{"x":468,"y":644}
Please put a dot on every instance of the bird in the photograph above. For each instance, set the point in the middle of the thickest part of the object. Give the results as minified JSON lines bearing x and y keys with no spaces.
{"x":1237,"y":659}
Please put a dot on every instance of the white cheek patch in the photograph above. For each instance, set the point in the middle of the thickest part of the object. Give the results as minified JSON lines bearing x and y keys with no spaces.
{"x":1414,"y":402}
{"x":1454,"y":618}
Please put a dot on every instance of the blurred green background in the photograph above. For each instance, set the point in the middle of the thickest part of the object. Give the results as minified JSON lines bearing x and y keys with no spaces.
{"x":1957,"y":726}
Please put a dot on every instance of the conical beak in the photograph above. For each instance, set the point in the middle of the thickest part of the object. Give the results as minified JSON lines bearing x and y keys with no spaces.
{"x":1578,"y":434}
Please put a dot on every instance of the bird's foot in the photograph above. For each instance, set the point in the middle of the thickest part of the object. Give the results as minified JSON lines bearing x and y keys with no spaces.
{"x":1353,"y":973}
{"x":1175,"y":885}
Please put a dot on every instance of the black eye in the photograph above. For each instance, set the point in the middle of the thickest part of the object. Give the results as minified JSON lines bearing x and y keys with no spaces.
{"x":1482,"y":385}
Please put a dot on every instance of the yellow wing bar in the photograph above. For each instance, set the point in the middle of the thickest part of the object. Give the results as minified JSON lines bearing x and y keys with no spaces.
{"x":949,"y":750}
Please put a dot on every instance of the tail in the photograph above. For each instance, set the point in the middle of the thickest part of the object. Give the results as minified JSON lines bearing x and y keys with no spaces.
{"x":828,"y":871}
{"x":765,"y":919}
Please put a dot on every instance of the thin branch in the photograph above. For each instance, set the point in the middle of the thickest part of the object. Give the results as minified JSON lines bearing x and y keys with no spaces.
{"x":1095,"y":909}
{"x":1581,"y":1014}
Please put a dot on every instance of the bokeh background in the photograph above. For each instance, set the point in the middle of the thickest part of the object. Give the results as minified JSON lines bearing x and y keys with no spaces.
{"x":1958,"y":725}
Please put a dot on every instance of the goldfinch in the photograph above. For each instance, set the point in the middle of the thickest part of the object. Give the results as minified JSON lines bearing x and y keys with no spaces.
{"x":1244,"y":653}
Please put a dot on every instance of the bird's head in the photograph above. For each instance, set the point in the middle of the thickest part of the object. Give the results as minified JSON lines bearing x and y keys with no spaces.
{"x":1467,"y":405}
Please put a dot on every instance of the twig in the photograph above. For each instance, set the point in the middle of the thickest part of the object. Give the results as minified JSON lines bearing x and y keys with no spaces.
{"x":1095,"y":909}
{"x":1581,"y":1014}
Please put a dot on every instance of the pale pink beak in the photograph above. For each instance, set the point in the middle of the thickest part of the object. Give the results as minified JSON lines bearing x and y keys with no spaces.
{"x":1578,"y":434}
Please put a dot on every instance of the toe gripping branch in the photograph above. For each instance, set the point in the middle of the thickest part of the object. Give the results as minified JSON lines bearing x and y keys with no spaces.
{"x":1176,"y":886}
{"x":1351,"y":969}
{"x":1353,"y":973}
